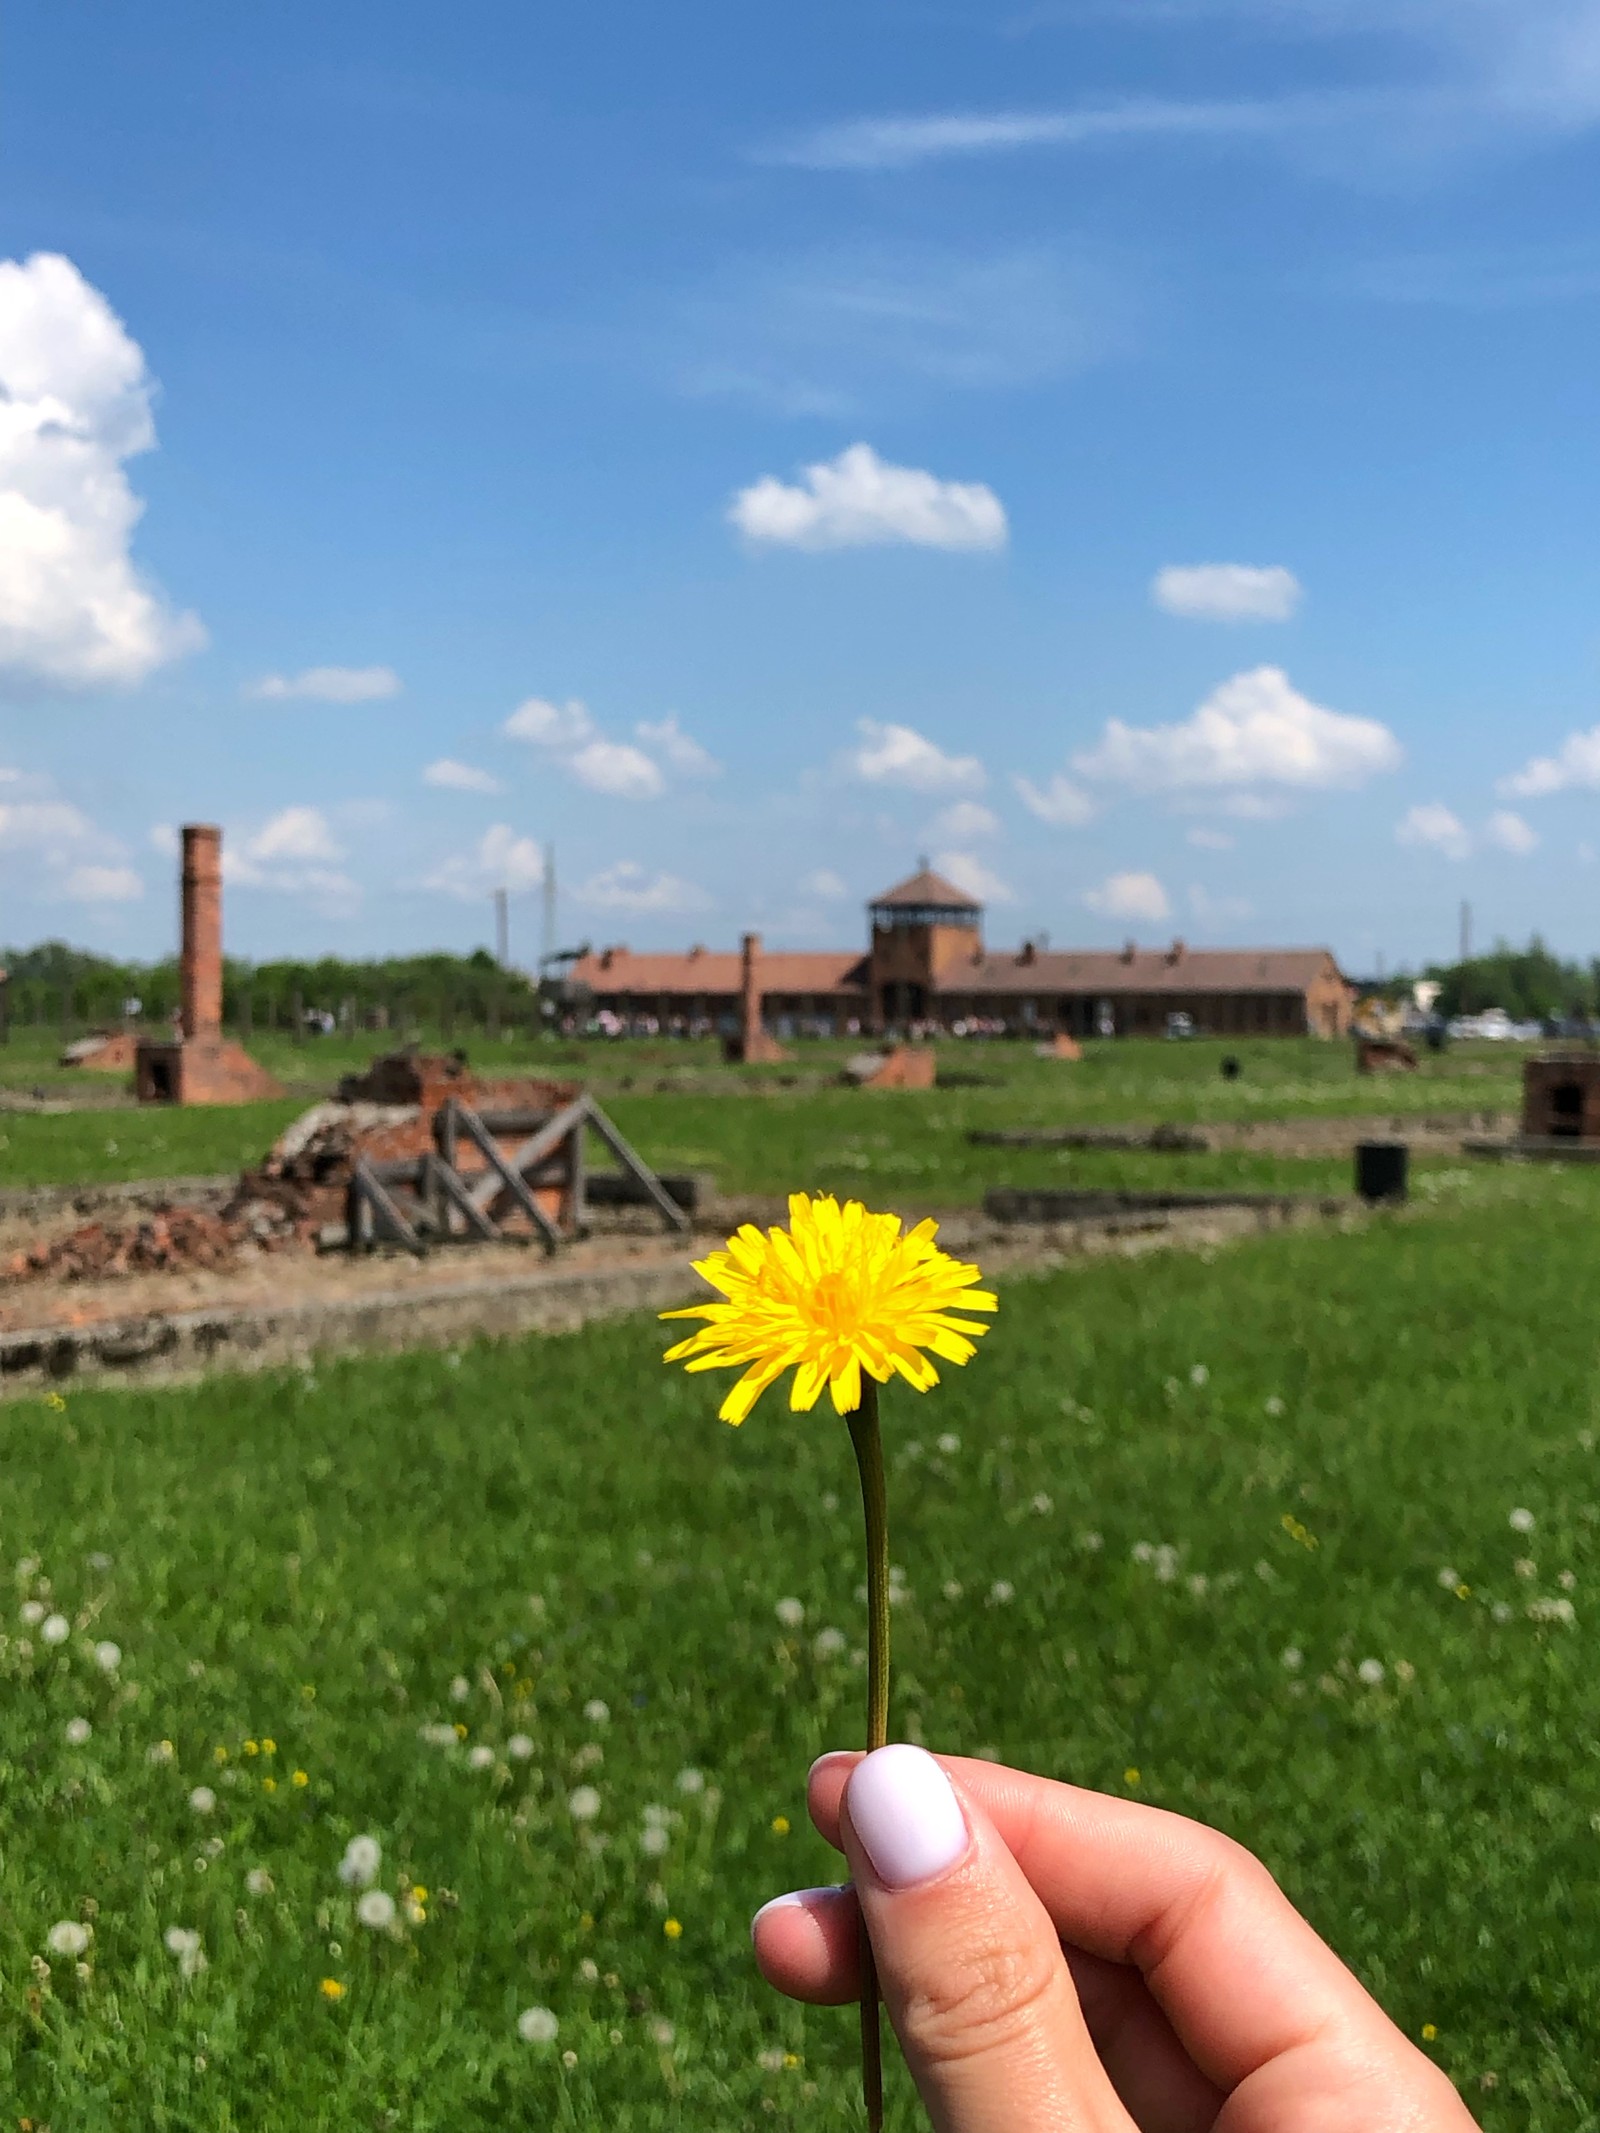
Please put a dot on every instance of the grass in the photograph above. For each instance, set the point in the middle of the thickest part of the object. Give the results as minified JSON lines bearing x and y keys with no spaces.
{"x":1158,"y":1482}
{"x":673,"y":1101}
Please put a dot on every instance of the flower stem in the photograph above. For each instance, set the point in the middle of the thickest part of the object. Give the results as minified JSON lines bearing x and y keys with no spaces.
{"x":868,"y":1442}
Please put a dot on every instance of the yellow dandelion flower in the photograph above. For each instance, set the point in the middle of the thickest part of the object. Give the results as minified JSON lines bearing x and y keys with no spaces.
{"x":269,"y":1747}
{"x":252,"y":1747}
{"x":219,"y":1754}
{"x":780,"y":1825}
{"x":269,"y":1784}
{"x":840,"y":1292}
{"x":418,"y":1893}
{"x":1130,"y":1776}
{"x":331,"y":1989}
{"x":672,"y":1929}
{"x":300,"y":1778}
{"x":1429,"y":2031}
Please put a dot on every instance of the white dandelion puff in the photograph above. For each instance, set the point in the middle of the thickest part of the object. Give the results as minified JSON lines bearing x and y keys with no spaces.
{"x":829,"y":1643}
{"x":1370,"y":1671}
{"x":55,"y":1629}
{"x":1199,"y":1374}
{"x":1521,"y":1521}
{"x":1002,"y":1592}
{"x":790,"y":1612}
{"x":375,"y":1909}
{"x":76,"y":1732}
{"x":185,"y":1944}
{"x":1292,"y":1658}
{"x":479,"y":1756}
{"x":67,"y":1937}
{"x":1448,"y":1579}
{"x":31,"y":1613}
{"x":363,"y":1856}
{"x":537,"y":2025}
{"x":258,"y":1881}
{"x":460,"y":1689}
{"x":949,"y":1444}
{"x":584,"y":1804}
{"x":520,"y":1747}
{"x":202,"y":1799}
{"x":654,"y":1839}
{"x":597,"y":1711}
{"x":691,"y":1781}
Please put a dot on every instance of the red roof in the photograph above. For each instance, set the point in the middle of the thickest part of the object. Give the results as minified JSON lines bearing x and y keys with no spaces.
{"x":927,"y":889}
{"x":1109,"y":971}
{"x":704,"y":971}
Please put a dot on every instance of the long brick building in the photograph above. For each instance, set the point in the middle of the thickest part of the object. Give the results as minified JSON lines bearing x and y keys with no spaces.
{"x":926,"y":965}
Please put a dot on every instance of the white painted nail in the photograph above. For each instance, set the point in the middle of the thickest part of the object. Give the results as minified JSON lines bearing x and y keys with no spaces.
{"x":797,"y":1900}
{"x":906,"y":1815}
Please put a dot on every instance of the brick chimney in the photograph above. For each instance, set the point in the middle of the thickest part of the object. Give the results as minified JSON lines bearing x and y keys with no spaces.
{"x":202,"y":930}
{"x":750,"y":994}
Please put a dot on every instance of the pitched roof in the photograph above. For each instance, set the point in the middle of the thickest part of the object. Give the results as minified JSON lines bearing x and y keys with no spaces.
{"x":1109,"y":972}
{"x":719,"y":973}
{"x":926,"y":888}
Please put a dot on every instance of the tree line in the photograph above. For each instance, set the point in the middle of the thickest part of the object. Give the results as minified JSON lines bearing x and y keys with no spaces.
{"x":56,"y":983}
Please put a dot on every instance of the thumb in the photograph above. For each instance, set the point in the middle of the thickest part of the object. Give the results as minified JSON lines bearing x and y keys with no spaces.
{"x":969,"y":1962}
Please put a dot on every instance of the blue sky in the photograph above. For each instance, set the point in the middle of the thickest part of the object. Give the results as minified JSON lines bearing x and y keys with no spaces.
{"x":1140,"y":453}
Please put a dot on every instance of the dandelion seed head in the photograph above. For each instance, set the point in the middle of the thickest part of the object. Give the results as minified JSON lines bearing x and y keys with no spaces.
{"x":107,"y":1656}
{"x":537,"y":2025}
{"x":949,"y":1444}
{"x":597,"y":1711}
{"x":363,"y":1857}
{"x":584,"y":1804}
{"x":1371,"y":1671}
{"x":76,"y":1732}
{"x":1521,"y":1521}
{"x":480,"y":1756}
{"x":790,"y":1612}
{"x":375,"y":1909}
{"x":67,"y":1937}
{"x":31,"y":1613}
{"x":1002,"y":1592}
{"x":460,"y":1689}
{"x":258,"y":1881}
{"x":202,"y":1799}
{"x":520,"y":1747}
{"x":54,"y":1629}
{"x":691,"y":1781}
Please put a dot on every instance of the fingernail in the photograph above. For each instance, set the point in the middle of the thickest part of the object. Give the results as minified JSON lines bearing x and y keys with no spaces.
{"x":796,"y":1900}
{"x":906,"y":1815}
{"x":833,"y":1755}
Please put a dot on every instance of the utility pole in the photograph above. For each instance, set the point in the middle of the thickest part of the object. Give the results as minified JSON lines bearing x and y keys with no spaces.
{"x":1466,"y":931}
{"x":547,"y":947}
{"x":502,"y":929}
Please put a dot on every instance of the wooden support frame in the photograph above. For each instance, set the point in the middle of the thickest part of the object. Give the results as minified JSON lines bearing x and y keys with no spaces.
{"x":507,"y":1172}
{"x":372,"y":1206}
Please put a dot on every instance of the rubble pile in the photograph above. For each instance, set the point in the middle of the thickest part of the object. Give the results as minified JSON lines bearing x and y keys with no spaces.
{"x":173,"y":1240}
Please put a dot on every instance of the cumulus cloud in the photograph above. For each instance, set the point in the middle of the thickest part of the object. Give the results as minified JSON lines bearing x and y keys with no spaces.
{"x":293,"y":852}
{"x":1207,"y":839}
{"x":566,"y":731}
{"x":74,"y":407}
{"x":1575,"y":766}
{"x":827,"y":886}
{"x":1132,"y":898}
{"x":1060,"y":803}
{"x":899,"y":755}
{"x":501,"y":859}
{"x":329,"y":685}
{"x":962,"y":821}
{"x":1255,"y":730}
{"x":859,"y":500}
{"x":1507,"y":832}
{"x":64,"y":854}
{"x":969,"y":872}
{"x":102,"y":885}
{"x":627,"y":887}
{"x":450,"y":776}
{"x":1217,"y":910}
{"x":1227,"y":592}
{"x":677,"y":749}
{"x":1434,"y":827}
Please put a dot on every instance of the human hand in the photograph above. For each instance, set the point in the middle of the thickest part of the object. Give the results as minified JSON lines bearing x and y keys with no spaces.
{"x":1056,"y":1961}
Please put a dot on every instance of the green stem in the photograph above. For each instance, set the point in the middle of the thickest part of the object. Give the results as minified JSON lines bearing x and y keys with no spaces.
{"x":867,"y":1439}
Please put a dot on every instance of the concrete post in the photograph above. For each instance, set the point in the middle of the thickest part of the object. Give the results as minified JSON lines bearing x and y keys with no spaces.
{"x":202,"y":930}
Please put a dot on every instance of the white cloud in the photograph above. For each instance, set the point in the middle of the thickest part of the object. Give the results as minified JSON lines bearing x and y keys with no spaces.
{"x":859,"y":500}
{"x":1133,"y":898}
{"x":102,"y":885}
{"x":74,"y":405}
{"x":627,"y":887}
{"x":827,"y":886}
{"x":899,"y":755}
{"x":566,"y":731}
{"x":294,"y":853}
{"x":329,"y":685}
{"x":1256,"y":729}
{"x":52,"y":830}
{"x":962,"y":821}
{"x":1217,"y":910}
{"x":1509,"y":833}
{"x":1207,"y":839}
{"x":1060,"y":802}
{"x":1574,"y":766}
{"x":1227,"y":592}
{"x":968,"y":872}
{"x":501,"y":859}
{"x":899,"y":143}
{"x":680,"y":750}
{"x":450,"y":776}
{"x":1432,"y":826}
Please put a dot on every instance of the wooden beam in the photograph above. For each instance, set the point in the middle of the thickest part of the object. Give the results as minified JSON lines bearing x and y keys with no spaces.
{"x":665,"y":1205}
{"x":369,"y":1187}
{"x":487,"y":1191}
{"x":543,"y":1144}
{"x":455,"y":1189}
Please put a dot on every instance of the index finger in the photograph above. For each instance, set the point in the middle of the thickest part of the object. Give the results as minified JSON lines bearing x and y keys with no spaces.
{"x":1239,"y":1973}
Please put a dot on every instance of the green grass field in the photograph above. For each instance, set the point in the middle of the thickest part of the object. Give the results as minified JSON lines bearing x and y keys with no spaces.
{"x":1233,"y":1533}
{"x":673,"y":1101}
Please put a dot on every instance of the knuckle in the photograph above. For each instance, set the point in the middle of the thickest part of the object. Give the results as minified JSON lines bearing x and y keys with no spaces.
{"x":982,"y":2003}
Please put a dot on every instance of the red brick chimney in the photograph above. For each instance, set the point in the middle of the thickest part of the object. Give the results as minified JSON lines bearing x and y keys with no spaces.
{"x":202,"y":930}
{"x":750,"y":1032}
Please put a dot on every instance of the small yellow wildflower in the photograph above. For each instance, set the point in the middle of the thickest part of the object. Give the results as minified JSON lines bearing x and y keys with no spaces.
{"x":219,"y":1754}
{"x":791,"y":2060}
{"x":55,"y":1403}
{"x":252,"y":1747}
{"x":672,"y":1929}
{"x":1429,"y":2031}
{"x":300,"y":1779}
{"x":839,"y":1292}
{"x":268,"y":1747}
{"x":418,"y":1893}
{"x":780,"y":1825}
{"x":461,"y":1730}
{"x":1130,"y":1776}
{"x":1463,"y":1592}
{"x":331,"y":1989}
{"x":269,"y":1784}
{"x":307,"y":1692}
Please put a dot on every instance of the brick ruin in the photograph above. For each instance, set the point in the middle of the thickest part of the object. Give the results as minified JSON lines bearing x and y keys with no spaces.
{"x":201,"y":1065}
{"x":1561,"y":1098}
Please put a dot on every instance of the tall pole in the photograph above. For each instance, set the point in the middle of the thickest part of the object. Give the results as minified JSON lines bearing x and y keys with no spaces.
{"x":502,"y":929}
{"x":1466,"y":931}
{"x":547,"y":946}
